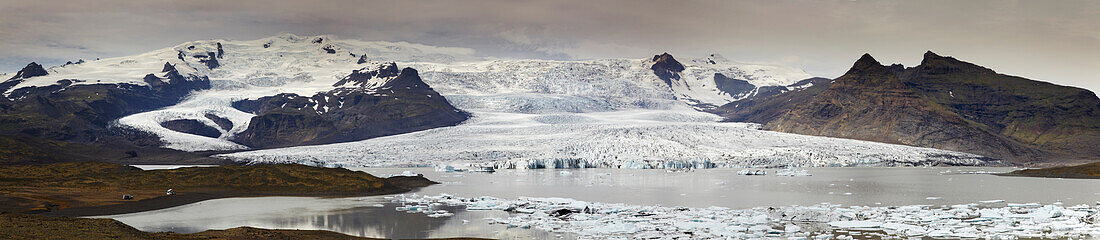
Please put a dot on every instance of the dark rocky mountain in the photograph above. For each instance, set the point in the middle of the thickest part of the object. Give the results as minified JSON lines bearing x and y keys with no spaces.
{"x":69,"y":121}
{"x":733,"y":86}
{"x":666,"y":67}
{"x":191,"y":126}
{"x":368,"y":103}
{"x":671,"y":71}
{"x":942,"y":103}
{"x":82,"y":112}
{"x":31,"y":70}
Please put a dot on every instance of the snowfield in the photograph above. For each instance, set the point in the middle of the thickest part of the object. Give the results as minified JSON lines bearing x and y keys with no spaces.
{"x":527,"y":113}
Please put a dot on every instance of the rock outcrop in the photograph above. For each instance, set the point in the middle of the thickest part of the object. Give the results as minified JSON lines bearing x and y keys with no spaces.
{"x":666,"y":68}
{"x":31,"y":70}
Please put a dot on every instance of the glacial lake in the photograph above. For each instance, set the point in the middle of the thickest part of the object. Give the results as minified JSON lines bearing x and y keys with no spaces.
{"x":363,"y":216}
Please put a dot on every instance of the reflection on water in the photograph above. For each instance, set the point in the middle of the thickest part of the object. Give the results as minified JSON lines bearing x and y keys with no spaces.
{"x":702,"y":188}
{"x":353,"y":216}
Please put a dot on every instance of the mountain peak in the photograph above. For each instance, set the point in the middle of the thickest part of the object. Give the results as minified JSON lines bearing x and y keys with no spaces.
{"x":371,"y":77}
{"x":662,"y":57}
{"x":409,"y":78}
{"x":866,"y":61}
{"x":168,"y":67}
{"x":666,"y":67}
{"x":934,"y":63}
{"x":31,"y":70}
{"x":713,"y":58}
{"x":930,"y":54}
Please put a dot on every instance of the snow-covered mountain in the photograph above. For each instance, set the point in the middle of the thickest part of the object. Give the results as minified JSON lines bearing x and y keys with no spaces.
{"x":605,"y":112}
{"x":240,"y":70}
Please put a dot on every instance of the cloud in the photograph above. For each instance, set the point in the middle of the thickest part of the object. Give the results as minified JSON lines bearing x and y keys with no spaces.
{"x":1054,"y":41}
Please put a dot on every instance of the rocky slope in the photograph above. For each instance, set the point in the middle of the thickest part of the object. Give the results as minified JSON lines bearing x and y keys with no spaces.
{"x":942,"y":103}
{"x":70,"y":111}
{"x":367,"y":103}
{"x":73,"y":118}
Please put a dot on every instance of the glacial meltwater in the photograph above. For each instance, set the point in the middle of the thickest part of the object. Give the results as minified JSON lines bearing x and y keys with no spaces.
{"x":380,"y":216}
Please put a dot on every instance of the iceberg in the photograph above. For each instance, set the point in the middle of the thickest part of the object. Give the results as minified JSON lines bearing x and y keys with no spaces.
{"x":405,"y":174}
{"x":752,"y":172}
{"x":791,"y":172}
{"x":855,"y":224}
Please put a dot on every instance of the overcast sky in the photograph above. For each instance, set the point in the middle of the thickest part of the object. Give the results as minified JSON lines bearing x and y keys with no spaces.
{"x":1056,"y":41}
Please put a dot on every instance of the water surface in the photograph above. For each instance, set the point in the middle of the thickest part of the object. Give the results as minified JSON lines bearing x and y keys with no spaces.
{"x":701,"y":188}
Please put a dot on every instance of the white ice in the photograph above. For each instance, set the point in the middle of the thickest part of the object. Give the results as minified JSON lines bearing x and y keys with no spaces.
{"x":595,"y":220}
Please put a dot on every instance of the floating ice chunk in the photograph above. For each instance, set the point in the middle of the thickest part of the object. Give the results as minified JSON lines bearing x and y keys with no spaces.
{"x":989,"y":213}
{"x":760,"y":228}
{"x":855,"y":224}
{"x":444,"y":168}
{"x":405,"y":174}
{"x":791,"y":172}
{"x":752,"y":172}
{"x":760,"y":219}
{"x":1024,"y":205}
{"x":941,"y":233}
{"x":906,"y":229}
{"x":611,"y":228}
{"x":594,"y":220}
{"x":792,"y":228}
{"x":439,"y":215}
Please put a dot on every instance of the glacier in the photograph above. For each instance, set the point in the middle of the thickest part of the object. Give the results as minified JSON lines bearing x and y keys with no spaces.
{"x":527,"y":113}
{"x":619,"y":139}
{"x":600,"y":113}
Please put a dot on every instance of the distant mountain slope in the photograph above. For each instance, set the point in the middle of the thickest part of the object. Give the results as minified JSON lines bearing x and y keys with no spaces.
{"x":942,"y":103}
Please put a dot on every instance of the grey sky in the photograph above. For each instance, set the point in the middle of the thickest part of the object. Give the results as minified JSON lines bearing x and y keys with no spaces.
{"x":1056,"y":41}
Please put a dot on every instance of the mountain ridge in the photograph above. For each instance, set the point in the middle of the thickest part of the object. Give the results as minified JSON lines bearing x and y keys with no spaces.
{"x":943,"y":103}
{"x":289,"y":90}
